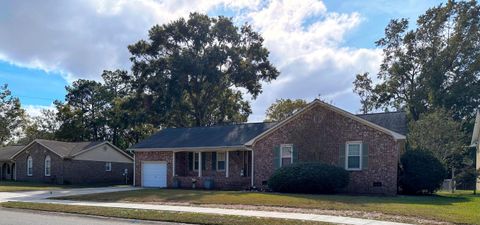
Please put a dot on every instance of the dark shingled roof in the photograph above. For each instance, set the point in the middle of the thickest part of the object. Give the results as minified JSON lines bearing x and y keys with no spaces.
{"x":7,"y":152}
{"x":239,"y":134}
{"x":66,"y":149}
{"x":394,"y":121}
{"x":215,"y":136}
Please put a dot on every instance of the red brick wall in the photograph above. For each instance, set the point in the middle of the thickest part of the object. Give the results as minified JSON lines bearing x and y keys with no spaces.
{"x":185,"y":176}
{"x":68,"y":171}
{"x":317,"y":135}
{"x":152,"y":156}
{"x":38,"y":154}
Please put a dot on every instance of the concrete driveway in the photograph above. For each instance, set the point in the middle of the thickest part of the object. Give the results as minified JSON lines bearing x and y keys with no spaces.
{"x":41,"y":195}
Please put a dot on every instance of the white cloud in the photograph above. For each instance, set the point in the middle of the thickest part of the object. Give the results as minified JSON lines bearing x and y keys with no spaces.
{"x":305,"y":41}
{"x":36,"y":110}
{"x":80,"y":38}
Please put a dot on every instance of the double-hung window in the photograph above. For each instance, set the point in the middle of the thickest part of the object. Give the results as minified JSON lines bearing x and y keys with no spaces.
{"x":286,"y":154}
{"x":221,"y":156}
{"x":353,"y":156}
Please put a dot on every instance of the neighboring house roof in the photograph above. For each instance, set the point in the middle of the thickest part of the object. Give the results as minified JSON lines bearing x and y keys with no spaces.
{"x":395,"y":121}
{"x":7,"y":153}
{"x":67,"y":149}
{"x":247,"y":134}
{"x":70,"y":149}
{"x":195,"y":137}
{"x":476,"y":130}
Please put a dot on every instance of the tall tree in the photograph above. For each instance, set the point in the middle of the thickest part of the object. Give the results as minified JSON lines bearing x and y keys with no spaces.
{"x":435,"y":65}
{"x":190,"y":72}
{"x":440,"y":134}
{"x":11,"y":115}
{"x":83,"y":114}
{"x":43,"y":126}
{"x":283,"y":108}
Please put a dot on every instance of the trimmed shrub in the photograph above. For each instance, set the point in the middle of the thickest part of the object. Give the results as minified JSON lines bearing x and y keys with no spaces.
{"x":421,"y":173}
{"x":309,"y":178}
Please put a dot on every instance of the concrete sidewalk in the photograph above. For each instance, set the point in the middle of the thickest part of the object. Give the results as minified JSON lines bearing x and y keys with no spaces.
{"x":220,"y":211}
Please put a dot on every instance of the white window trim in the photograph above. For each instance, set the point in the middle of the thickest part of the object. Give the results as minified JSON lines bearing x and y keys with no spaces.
{"x":361,"y":154}
{"x":281,"y":155}
{"x":29,"y":165}
{"x":193,"y":160}
{"x":109,"y":167}
{"x":224,"y":161}
{"x":49,"y":166}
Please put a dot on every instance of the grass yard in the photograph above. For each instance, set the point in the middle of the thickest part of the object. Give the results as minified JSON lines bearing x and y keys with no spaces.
{"x":461,"y":207}
{"x":180,"y":217}
{"x":12,"y":186}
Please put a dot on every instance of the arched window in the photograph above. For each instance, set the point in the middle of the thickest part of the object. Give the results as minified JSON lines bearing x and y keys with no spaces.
{"x":29,"y":166}
{"x":47,"y":165}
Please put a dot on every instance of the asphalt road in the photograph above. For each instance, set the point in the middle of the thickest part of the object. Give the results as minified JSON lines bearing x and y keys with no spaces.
{"x":27,"y":217}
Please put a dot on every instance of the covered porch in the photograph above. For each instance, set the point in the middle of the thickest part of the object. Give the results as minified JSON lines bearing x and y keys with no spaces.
{"x":7,"y":170}
{"x":219,"y":168}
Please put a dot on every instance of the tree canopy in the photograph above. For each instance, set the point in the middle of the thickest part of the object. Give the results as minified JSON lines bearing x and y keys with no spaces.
{"x":191,"y":71}
{"x":434,"y":65}
{"x":283,"y":108}
{"x":438,"y":133}
{"x":11,"y":115}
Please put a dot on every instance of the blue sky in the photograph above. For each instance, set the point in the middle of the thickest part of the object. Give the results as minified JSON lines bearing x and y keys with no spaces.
{"x":318,"y":46}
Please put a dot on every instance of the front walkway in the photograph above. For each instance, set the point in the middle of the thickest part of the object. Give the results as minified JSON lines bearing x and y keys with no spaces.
{"x":42,"y":197}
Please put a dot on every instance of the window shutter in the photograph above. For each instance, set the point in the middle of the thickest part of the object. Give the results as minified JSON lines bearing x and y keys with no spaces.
{"x":214,"y":161}
{"x":294,"y":154}
{"x":190,"y":161}
{"x":364,"y":156}
{"x":341,"y":154}
{"x":204,"y":160}
{"x":276,"y":157}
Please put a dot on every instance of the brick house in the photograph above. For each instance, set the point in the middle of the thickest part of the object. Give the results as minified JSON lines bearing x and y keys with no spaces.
{"x":69,"y":162}
{"x":243,"y":155}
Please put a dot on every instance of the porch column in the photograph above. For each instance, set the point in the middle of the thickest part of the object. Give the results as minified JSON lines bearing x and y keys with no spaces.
{"x":226,"y":164}
{"x":173,"y":165}
{"x":199,"y":164}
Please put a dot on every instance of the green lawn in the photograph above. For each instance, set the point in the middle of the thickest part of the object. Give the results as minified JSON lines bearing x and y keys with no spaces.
{"x":181,"y":217}
{"x":461,"y":207}
{"x":11,"y":186}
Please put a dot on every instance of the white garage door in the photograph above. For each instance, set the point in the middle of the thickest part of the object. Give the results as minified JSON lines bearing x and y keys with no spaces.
{"x":154,"y":174}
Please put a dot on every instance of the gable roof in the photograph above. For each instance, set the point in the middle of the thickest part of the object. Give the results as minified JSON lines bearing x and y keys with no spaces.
{"x":246,"y":134}
{"x":394,"y":121}
{"x":63,"y":149}
{"x":7,"y":153}
{"x":195,"y":137}
{"x":315,"y":102}
{"x":476,"y":130}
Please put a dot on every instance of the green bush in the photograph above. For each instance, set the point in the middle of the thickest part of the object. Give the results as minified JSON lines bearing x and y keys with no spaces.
{"x":421,"y":173}
{"x":309,"y":178}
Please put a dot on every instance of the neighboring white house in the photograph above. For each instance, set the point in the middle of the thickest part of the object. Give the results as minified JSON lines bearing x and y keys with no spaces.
{"x":476,"y":143}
